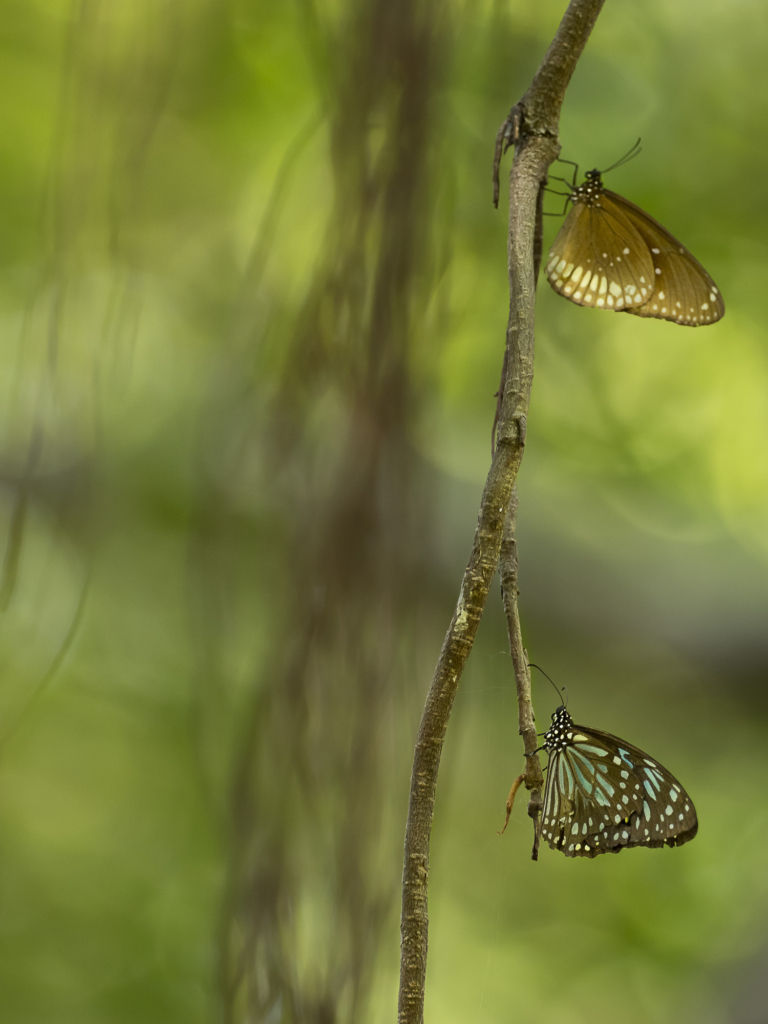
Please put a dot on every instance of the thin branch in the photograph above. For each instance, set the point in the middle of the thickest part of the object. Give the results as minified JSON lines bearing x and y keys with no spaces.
{"x":534,"y":135}
{"x":510,"y":592}
{"x":541,"y":104}
{"x":508,"y":569}
{"x":538,"y":112}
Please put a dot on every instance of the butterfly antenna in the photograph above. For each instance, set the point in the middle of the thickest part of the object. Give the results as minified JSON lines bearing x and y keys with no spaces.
{"x":531,"y":665}
{"x":636,"y":149}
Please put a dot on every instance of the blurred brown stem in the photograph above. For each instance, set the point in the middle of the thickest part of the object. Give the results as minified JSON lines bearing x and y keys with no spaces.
{"x":532,"y":128}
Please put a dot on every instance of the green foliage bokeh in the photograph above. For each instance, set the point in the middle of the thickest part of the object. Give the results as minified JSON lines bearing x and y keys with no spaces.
{"x":160,"y":161}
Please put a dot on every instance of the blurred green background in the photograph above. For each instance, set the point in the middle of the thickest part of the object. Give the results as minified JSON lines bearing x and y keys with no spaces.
{"x":253,"y":299}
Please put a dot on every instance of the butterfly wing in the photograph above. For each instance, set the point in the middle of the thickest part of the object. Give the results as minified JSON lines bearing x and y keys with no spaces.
{"x":684,"y":292}
{"x":603,"y":794}
{"x":600,"y":259}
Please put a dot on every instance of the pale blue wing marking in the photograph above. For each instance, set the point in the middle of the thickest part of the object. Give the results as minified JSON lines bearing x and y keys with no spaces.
{"x":597,"y":751}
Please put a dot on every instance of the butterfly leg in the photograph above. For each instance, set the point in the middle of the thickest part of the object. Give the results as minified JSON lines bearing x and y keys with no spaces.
{"x":575,"y":170}
{"x":565,"y":204}
{"x":556,"y":177}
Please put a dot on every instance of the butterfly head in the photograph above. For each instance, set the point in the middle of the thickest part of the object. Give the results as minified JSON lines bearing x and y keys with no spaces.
{"x":590,"y":190}
{"x":557,"y":736}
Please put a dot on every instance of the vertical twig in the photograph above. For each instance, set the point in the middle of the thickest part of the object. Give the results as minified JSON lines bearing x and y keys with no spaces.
{"x":508,"y":570}
{"x":533,"y":130}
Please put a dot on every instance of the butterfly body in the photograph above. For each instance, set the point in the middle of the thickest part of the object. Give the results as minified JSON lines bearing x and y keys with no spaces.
{"x":603,"y":794}
{"x":610,"y":254}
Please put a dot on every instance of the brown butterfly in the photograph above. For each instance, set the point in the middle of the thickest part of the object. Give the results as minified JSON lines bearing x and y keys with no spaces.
{"x":612,"y":255}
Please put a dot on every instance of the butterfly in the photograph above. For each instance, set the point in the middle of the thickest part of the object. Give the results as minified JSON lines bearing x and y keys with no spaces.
{"x":603,"y":794}
{"x":610,"y":254}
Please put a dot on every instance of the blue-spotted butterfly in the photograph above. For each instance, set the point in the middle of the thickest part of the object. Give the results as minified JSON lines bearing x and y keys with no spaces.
{"x":603,"y":794}
{"x":610,"y":254}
